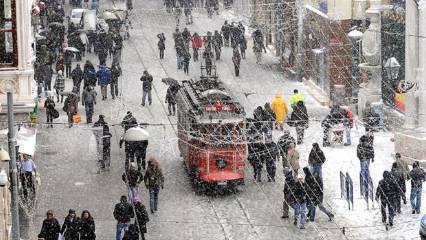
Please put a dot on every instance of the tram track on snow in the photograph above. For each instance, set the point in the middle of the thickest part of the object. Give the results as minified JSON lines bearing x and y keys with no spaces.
{"x":218,"y":217}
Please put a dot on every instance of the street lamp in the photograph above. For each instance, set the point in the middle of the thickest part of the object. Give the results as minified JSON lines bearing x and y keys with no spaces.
{"x":392,"y":68}
{"x":4,"y":157}
{"x":355,"y":36}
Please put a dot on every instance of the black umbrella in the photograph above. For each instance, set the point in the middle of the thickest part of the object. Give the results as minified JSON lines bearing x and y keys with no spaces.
{"x":170,"y":81}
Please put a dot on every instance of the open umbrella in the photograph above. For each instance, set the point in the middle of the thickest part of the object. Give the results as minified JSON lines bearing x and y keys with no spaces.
{"x":109,"y":16}
{"x":170,"y":81}
{"x":135,"y":134}
{"x":72,"y":49}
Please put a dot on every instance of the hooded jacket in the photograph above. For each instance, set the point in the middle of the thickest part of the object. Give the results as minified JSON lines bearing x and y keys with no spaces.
{"x":316,"y":156}
{"x":387,"y":189}
{"x":280,"y":108}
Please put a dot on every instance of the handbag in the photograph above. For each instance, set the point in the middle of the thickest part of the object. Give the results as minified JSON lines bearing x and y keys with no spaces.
{"x":76,"y":118}
{"x":55,"y":113}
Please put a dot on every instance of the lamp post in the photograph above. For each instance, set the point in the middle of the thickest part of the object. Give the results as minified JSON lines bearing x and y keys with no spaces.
{"x":355,"y":36}
{"x":12,"y":169}
{"x":392,"y":68}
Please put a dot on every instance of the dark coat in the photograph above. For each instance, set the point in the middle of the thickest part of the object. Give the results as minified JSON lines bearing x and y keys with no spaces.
{"x":314,"y":187}
{"x":171,"y":96}
{"x":297,"y":192}
{"x":316,"y":156}
{"x":89,"y":75}
{"x":284,"y":142}
{"x":87,"y":229}
{"x":70,"y":228}
{"x":154,"y":178}
{"x":132,"y":233}
{"x":50,"y":229}
{"x":132,"y":178}
{"x":77,"y":76}
{"x":271,"y":153}
{"x":364,"y":150}
{"x":128,"y":122}
{"x":123,"y":211}
{"x":387,"y":190}
{"x":417,"y":176}
{"x":71,"y":104}
{"x":115,"y":73}
{"x":146,"y":82}
{"x":299,"y":116}
{"x":142,"y":216}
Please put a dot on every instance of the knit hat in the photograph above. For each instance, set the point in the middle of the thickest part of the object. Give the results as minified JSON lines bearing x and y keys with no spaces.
{"x":136,"y":200}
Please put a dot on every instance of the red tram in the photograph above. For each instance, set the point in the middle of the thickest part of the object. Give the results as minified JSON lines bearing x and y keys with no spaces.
{"x":211,"y":132}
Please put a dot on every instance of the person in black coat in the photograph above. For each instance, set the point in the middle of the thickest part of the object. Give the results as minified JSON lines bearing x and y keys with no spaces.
{"x":387,"y":192}
{"x":298,"y":199}
{"x":269,"y":117}
{"x":132,"y":233}
{"x":146,"y":80}
{"x":398,"y":178}
{"x":316,"y":159}
{"x":123,"y":212}
{"x":315,"y":194}
{"x":270,"y":156}
{"x":51,"y":228}
{"x":300,"y":120}
{"x":365,"y":154}
{"x":418,"y":176}
{"x":70,"y":227}
{"x":142,"y":216}
{"x":171,"y":99}
{"x":77,"y":76}
{"x":106,"y":142}
{"x":87,"y":226}
{"x":288,"y":185}
{"x":161,"y":44}
{"x":132,"y":178}
{"x":283,"y":144}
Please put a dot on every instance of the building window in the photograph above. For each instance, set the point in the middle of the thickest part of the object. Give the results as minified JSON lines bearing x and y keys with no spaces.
{"x":8,"y":38}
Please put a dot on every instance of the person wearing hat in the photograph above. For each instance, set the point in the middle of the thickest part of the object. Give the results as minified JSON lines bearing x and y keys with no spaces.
{"x":50,"y":228}
{"x":299,"y":197}
{"x":71,"y":225}
{"x":316,"y":159}
{"x":418,"y":176}
{"x":142,"y":217}
{"x":296,"y":97}
{"x":146,"y":80}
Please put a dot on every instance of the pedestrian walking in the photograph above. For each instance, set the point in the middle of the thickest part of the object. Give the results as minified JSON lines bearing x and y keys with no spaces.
{"x":153,"y":179}
{"x":217,"y":43}
{"x":280,"y":109}
{"x":68,"y":56}
{"x":146,"y":80}
{"x":397,"y":177}
{"x":142,"y":217}
{"x":77,"y":77}
{"x":89,"y":74}
{"x":226,"y":31}
{"x":197,"y":43}
{"x":71,"y":226}
{"x":403,"y":170}
{"x":115,"y":74}
{"x":208,"y":58}
{"x":129,"y":121}
{"x":49,"y":105}
{"x":270,"y":157}
{"x":284,"y":143}
{"x":288,"y":195}
{"x":370,"y":118}
{"x":365,"y":154}
{"x":71,"y":107}
{"x":171,"y":100}
{"x":87,"y":226}
{"x":315,"y":195}
{"x":59,"y":86}
{"x":104,"y":78}
{"x":27,"y":167}
{"x":243,"y":47}
{"x":50,"y":228}
{"x":132,"y":233}
{"x":316,"y":159}
{"x":269,"y":118}
{"x":186,"y":61}
{"x":132,"y":177}
{"x":417,"y":175}
{"x":293,"y":158}
{"x":123,"y":212}
{"x":387,"y":193}
{"x":89,"y":102}
{"x":236,"y":59}
{"x":296,"y":97}
{"x":106,"y":143}
{"x":299,"y":198}
{"x":47,"y":72}
{"x":161,"y":44}
{"x":60,"y":63}
{"x":348,"y":123}
{"x":300,"y":120}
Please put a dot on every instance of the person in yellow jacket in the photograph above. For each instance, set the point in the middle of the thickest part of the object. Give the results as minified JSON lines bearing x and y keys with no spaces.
{"x":280,"y":109}
{"x":297,"y":97}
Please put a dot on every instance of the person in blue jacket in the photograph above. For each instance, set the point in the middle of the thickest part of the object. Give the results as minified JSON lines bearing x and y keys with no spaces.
{"x":104,"y":79}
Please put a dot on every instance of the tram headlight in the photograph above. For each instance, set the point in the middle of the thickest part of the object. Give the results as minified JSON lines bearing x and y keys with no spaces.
{"x":221,"y":163}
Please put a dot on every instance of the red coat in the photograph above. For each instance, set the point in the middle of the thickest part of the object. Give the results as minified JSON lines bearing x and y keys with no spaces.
{"x":197,"y":42}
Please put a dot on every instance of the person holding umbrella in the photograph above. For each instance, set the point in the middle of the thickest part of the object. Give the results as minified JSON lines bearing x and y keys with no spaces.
{"x":136,"y":142}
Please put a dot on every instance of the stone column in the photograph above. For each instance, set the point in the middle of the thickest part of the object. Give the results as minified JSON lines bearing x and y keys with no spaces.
{"x":422,"y":65}
{"x":411,"y":61}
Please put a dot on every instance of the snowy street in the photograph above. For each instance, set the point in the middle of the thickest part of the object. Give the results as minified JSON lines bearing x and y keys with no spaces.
{"x":66,"y":157}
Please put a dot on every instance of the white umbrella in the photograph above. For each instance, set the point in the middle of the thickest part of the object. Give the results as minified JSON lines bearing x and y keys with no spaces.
{"x":109,"y":16}
{"x":136,"y":134}
{"x":72,"y":49}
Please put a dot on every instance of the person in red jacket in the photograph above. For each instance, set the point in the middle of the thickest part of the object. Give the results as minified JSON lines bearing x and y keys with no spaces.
{"x":197,"y":43}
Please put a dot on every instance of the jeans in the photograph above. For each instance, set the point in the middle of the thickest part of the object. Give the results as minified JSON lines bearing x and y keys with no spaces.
{"x":132,"y":192}
{"x":70,"y":120}
{"x":121,"y":227}
{"x":179,"y":61}
{"x":312,"y":210}
{"x":49,"y":118}
{"x":300,"y":212}
{"x":365,"y":174}
{"x":89,"y":111}
{"x":416,"y":198}
{"x":144,"y":95}
{"x":348,"y":135}
{"x":316,"y":168}
{"x":153,"y":198}
{"x":172,"y":108}
{"x":114,"y":89}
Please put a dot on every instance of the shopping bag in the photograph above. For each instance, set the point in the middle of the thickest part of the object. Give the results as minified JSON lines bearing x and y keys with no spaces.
{"x":76,"y":118}
{"x":55,"y":113}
